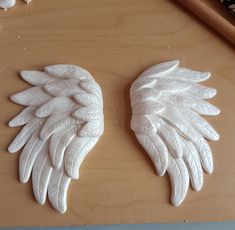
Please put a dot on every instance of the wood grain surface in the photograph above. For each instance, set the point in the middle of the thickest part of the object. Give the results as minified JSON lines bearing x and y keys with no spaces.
{"x":115,"y":40}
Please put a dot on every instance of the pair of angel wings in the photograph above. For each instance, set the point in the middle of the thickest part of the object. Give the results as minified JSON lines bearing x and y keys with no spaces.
{"x":63,"y":120}
{"x":167,"y":104}
{"x":5,"y":4}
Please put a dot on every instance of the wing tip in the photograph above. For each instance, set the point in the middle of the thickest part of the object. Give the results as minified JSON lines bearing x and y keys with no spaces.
{"x":23,"y":179}
{"x":14,"y":98}
{"x":11,"y":123}
{"x":218,"y":111}
{"x":176,"y":202}
{"x":28,"y":75}
{"x":209,"y":170}
{"x":24,"y":74}
{"x":160,"y":172}
{"x":174,"y":62}
{"x":39,"y":199}
{"x":216,"y":137}
{"x":67,"y":71}
{"x":61,"y":208}
{"x":203,"y":76}
{"x":73,"y":174}
{"x":11,"y":148}
{"x":197,"y":188}
{"x":207,"y":75}
{"x":212,"y":92}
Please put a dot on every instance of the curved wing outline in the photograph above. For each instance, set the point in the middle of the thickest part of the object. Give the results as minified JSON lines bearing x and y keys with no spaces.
{"x":62,"y":122}
{"x":167,"y":103}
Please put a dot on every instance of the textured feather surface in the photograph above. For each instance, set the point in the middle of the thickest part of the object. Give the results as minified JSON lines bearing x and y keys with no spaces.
{"x":193,"y":164}
{"x":28,"y":156}
{"x":57,"y":190}
{"x":188,"y":75}
{"x":42,"y":170}
{"x":86,"y":99}
{"x":76,"y":153}
{"x":22,"y":118}
{"x":179,"y":177}
{"x":35,"y":77}
{"x":31,"y":97}
{"x":62,"y":104}
{"x":68,"y":71}
{"x":24,"y":135}
{"x":63,"y":88}
{"x":172,"y":139}
{"x":62,"y":122}
{"x":199,"y":106}
{"x":167,"y":104}
{"x":157,"y":151}
{"x":54,"y":123}
{"x":59,"y":142}
{"x":160,"y":70}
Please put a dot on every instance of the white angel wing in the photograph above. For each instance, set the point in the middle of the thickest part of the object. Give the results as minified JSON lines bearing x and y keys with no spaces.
{"x":62,"y":122}
{"x":6,"y":4}
{"x":167,"y":102}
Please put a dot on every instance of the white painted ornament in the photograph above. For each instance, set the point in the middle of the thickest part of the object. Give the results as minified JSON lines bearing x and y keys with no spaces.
{"x":6,"y":4}
{"x":167,"y":104}
{"x":62,"y":122}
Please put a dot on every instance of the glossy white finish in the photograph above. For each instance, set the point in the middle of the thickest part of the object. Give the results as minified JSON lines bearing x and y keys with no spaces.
{"x":167,"y":102}
{"x":6,"y":4}
{"x":63,"y":120}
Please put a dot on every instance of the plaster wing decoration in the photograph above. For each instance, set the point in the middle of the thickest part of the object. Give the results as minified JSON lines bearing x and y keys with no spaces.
{"x":63,"y":121}
{"x":6,"y":4}
{"x":167,"y":104}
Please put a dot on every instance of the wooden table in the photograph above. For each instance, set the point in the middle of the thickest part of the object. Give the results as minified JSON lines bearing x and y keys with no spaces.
{"x":115,"y":40}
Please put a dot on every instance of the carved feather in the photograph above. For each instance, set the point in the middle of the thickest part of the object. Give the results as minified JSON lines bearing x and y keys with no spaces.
{"x":76,"y":153}
{"x":179,"y":177}
{"x":167,"y":102}
{"x":62,"y":104}
{"x":68,"y":71}
{"x":59,"y":143}
{"x":35,"y":77}
{"x":57,"y":190}
{"x":22,"y":118}
{"x":28,"y":156}
{"x":34,"y":96}
{"x":157,"y":151}
{"x":193,"y":164}
{"x":42,"y":170}
{"x":26,"y":132}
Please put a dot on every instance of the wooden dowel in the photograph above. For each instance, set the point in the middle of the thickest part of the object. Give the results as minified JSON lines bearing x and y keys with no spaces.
{"x":210,"y":17}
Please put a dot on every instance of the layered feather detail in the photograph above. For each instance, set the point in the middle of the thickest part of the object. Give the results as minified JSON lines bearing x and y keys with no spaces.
{"x":167,"y":104}
{"x":62,"y":122}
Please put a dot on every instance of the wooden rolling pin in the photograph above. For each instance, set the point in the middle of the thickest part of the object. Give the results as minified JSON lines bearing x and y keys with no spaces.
{"x":210,"y":17}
